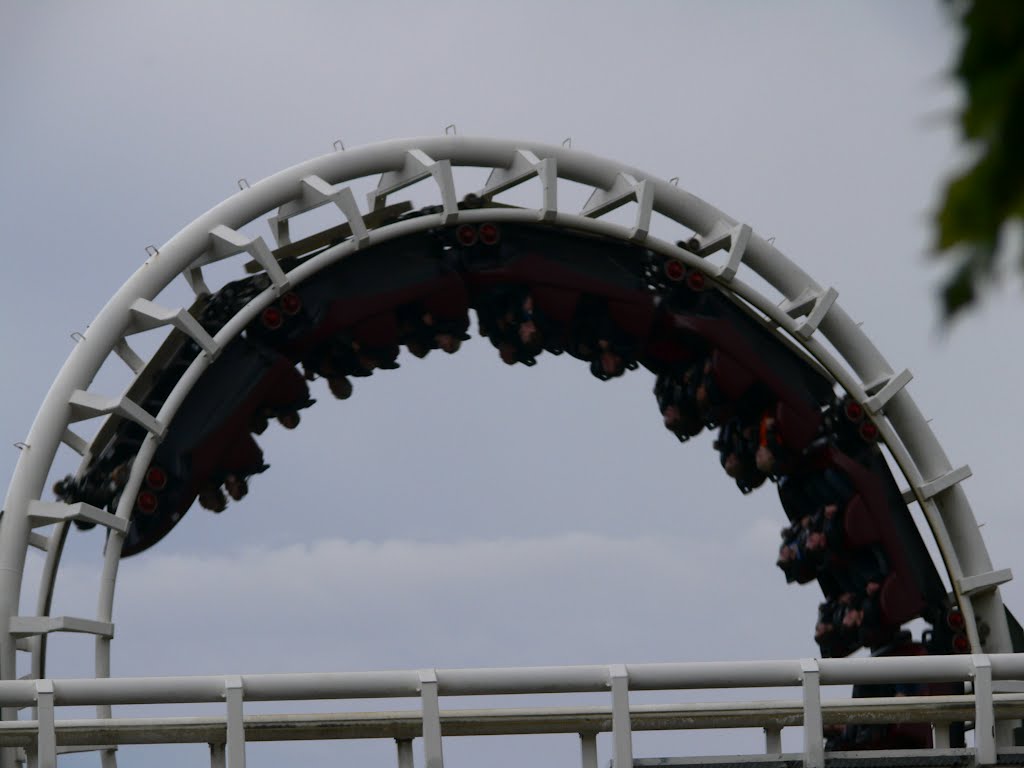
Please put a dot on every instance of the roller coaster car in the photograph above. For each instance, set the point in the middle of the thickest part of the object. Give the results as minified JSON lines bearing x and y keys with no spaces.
{"x":679,"y":413}
{"x":669,"y":350}
{"x":362,"y":295}
{"x":877,"y":515}
{"x":209,"y":437}
{"x":577,"y":261}
{"x":281,"y":322}
{"x":746,"y":354}
{"x":562,"y":268}
{"x":896,"y":735}
{"x":874,"y":516}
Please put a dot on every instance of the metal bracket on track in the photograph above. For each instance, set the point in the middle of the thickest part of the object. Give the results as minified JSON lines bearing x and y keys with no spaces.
{"x":147,"y":315}
{"x":42,"y":513}
{"x":418,"y":166}
{"x":315,"y":192}
{"x":735,"y":237}
{"x":625,"y":189}
{"x":523,"y":167}
{"x":85,"y":405}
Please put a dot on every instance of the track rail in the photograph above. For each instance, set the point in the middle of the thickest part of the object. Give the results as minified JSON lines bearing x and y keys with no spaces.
{"x":799,"y":309}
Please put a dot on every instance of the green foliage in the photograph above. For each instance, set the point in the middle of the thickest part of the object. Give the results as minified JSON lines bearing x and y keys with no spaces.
{"x":978,"y":205}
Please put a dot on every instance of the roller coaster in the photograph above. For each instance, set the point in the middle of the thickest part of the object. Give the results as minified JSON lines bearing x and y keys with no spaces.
{"x":798,"y":397}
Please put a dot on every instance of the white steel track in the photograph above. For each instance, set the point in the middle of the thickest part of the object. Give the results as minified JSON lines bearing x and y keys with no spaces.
{"x":797,"y":307}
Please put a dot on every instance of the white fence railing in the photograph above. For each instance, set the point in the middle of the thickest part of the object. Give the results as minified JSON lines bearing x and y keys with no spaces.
{"x":42,"y":738}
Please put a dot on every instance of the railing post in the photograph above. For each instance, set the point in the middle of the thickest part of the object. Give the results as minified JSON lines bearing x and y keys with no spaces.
{"x":46,"y":745}
{"x":814,"y":737}
{"x":622,"y":734}
{"x":405,"y":758}
{"x":984,"y":713}
{"x":218,"y":755}
{"x":940,"y":735}
{"x":772,"y":740}
{"x":233,"y":693}
{"x":588,"y":750}
{"x":432,"y":749}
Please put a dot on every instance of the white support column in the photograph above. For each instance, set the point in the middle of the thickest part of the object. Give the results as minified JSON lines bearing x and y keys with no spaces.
{"x":814,"y":738}
{"x":218,"y":756}
{"x":233,"y":694}
{"x":772,"y":740}
{"x":405,"y":755}
{"x":46,"y":749}
{"x":431,"y":707}
{"x":622,"y":733}
{"x":984,"y":714}
{"x":588,"y":750}
{"x":940,"y":735}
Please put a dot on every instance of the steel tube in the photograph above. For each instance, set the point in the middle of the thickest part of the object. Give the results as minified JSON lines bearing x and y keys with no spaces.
{"x":407,"y":724}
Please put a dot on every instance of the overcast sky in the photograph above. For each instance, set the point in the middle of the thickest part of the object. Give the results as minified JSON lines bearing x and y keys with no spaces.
{"x":392,"y":530}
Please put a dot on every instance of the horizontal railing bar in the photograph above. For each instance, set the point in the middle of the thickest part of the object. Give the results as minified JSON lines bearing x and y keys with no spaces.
{"x":517,"y":680}
{"x":714,"y":674}
{"x":278,"y":687}
{"x":904,"y":669}
{"x":523,"y":680}
{"x":407,"y":724}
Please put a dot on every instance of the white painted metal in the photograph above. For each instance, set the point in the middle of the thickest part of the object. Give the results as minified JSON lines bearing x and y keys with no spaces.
{"x":225,"y":242}
{"x":130,"y":357}
{"x":42,"y":736}
{"x":42,"y":513}
{"x":803,"y":310}
{"x":432,"y":752}
{"x":885,"y":391}
{"x":26,"y":626}
{"x":85,"y":405}
{"x":622,"y":734}
{"x":588,"y":750}
{"x":814,"y":749}
{"x":984,"y":718}
{"x":145,"y":316}
{"x":75,"y":442}
{"x":46,"y":744}
{"x":234,"y":691}
{"x":984,"y":581}
{"x":405,"y":753}
{"x":83,"y":733}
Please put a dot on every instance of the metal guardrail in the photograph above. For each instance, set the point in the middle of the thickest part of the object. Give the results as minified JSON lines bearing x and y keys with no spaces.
{"x":41,"y":738}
